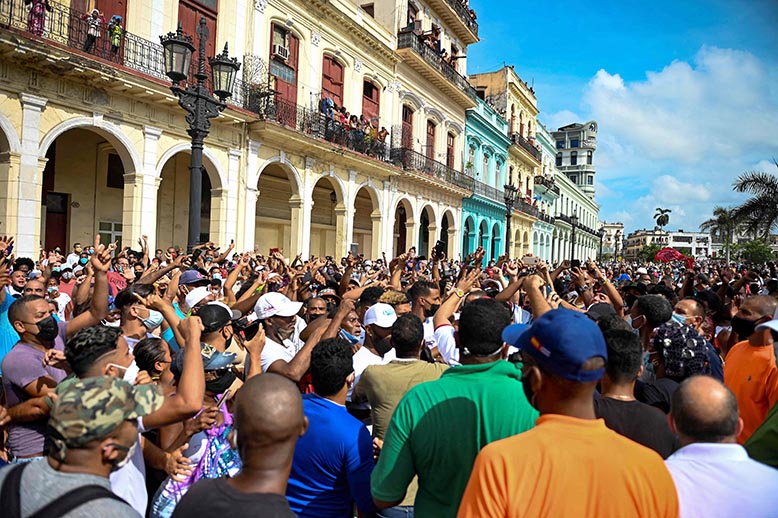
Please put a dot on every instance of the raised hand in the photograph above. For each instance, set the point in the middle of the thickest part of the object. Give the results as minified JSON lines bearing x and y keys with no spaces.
{"x":6,"y":242}
{"x":101,"y":259}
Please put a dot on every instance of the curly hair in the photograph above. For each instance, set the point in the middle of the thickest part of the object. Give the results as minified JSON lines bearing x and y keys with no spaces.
{"x":683,"y":350}
{"x":88,"y":345}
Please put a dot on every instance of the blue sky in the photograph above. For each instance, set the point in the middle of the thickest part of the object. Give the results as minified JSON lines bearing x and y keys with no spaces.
{"x":685,"y":92}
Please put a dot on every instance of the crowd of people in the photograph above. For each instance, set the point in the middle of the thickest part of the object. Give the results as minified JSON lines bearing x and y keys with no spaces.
{"x":358,"y":133}
{"x":173,"y":384}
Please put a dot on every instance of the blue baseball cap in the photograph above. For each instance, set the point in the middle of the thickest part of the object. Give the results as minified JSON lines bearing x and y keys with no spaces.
{"x":561,"y":340}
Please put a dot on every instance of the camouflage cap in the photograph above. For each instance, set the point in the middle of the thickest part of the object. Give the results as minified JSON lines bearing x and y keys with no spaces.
{"x":91,"y":408}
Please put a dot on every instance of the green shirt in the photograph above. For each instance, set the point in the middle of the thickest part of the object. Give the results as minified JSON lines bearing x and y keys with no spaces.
{"x":762,"y":446}
{"x":440,"y":426}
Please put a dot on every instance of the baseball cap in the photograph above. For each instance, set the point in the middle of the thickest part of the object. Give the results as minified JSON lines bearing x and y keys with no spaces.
{"x":192,"y":277}
{"x":329,"y":292}
{"x":641,"y":271}
{"x":194,"y":297}
{"x":216,"y":315}
{"x":91,"y":408}
{"x":599,"y":310}
{"x":78,"y":269}
{"x":561,"y":340}
{"x":276,"y":304}
{"x":213,"y":360}
{"x":380,"y":314}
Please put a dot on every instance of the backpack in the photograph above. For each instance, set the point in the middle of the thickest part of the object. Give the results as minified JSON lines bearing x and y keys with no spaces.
{"x":10,"y":497}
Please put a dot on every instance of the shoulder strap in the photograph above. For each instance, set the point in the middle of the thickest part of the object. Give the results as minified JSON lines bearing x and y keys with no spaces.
{"x":10,"y":497}
{"x":69,"y":501}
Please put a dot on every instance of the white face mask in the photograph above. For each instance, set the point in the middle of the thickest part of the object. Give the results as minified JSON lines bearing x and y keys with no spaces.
{"x":130,"y":373}
{"x":126,"y":460}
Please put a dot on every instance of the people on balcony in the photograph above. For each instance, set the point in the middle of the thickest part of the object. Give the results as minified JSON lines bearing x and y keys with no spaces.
{"x":115,"y":32}
{"x":36,"y":18}
{"x":357,"y":133}
{"x":94,"y":21}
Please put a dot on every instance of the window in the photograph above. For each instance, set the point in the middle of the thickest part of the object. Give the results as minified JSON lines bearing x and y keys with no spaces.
{"x":590,"y":180}
{"x":407,"y":131}
{"x":284,"y":70}
{"x":109,"y":232}
{"x":412,"y":12}
{"x":589,"y":156}
{"x":560,"y":144}
{"x":574,"y":179}
{"x":189,"y":14}
{"x":486,"y":167}
{"x":430,"y":151}
{"x":332,"y":80}
{"x":510,"y":175}
{"x":115,"y":177}
{"x":371,"y":101}
{"x":369,"y":9}
{"x":574,"y":142}
{"x":574,"y":158}
{"x":559,"y":159}
{"x":450,"y":150}
{"x":513,"y":119}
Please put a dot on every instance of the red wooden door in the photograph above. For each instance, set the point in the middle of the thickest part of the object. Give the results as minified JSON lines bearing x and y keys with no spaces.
{"x":332,"y":80}
{"x":109,"y":8}
{"x":56,"y":220}
{"x":371,"y":101}
{"x":407,"y":133}
{"x":430,"y":150}
{"x":189,"y":14}
{"x":450,"y":151}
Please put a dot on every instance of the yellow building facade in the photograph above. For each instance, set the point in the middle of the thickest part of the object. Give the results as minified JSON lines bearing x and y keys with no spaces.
{"x":93,"y":141}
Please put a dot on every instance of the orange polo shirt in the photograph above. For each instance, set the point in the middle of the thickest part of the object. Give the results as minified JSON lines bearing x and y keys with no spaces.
{"x":750,"y":373}
{"x":568,"y":467}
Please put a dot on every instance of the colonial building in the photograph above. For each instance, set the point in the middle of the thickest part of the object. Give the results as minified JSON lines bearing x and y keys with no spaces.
{"x":486,"y":154}
{"x":694,"y":244}
{"x":93,"y":141}
{"x":613,"y":239}
{"x":640,"y":238}
{"x":575,"y":146}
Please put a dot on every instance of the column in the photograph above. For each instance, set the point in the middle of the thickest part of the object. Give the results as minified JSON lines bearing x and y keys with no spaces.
{"x":411,"y":236}
{"x":219,"y":224}
{"x":9,"y":187}
{"x":139,"y":210}
{"x":245,"y":238}
{"x":377,"y":237}
{"x":349,"y":201}
{"x":387,"y":230}
{"x":454,"y":245}
{"x":231,"y":209}
{"x":28,"y":195}
{"x":342,"y":239}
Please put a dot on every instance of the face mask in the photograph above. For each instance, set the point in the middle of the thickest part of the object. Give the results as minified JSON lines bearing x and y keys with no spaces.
{"x":217,"y":276}
{"x":284,"y":333}
{"x":681,"y":319}
{"x":55,"y":269}
{"x":67,"y":276}
{"x":47,"y":329}
{"x":119,"y":464}
{"x":130,"y":373}
{"x":353,"y":340}
{"x":138,"y":275}
{"x":431,"y":311}
{"x":154,"y":320}
{"x":220,"y":384}
{"x":51,"y":289}
{"x":109,"y":323}
{"x":83,"y":261}
{"x":629,"y":323}
{"x":744,"y":328}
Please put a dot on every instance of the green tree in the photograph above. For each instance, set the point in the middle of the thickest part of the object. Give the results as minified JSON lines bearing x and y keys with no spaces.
{"x":759,"y":214}
{"x":724,"y":224}
{"x":648,"y":252}
{"x":685,"y":250}
{"x":757,"y":251}
{"x":662,"y":217}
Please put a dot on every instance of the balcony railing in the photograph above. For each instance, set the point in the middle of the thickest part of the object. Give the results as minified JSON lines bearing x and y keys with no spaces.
{"x":524,"y":143}
{"x":464,"y":14}
{"x":487,"y":191}
{"x":548,"y":183}
{"x":411,"y":160}
{"x":526,"y":208}
{"x":546,"y":218}
{"x":408,"y":39}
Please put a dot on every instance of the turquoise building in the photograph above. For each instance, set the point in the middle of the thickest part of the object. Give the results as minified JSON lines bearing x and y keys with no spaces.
{"x":486,"y":154}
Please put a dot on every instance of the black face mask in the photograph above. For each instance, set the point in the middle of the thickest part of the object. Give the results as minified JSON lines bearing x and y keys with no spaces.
{"x":221,"y":384}
{"x":743,"y":327}
{"x":382,"y":346}
{"x":47,"y":329}
{"x":431,"y":311}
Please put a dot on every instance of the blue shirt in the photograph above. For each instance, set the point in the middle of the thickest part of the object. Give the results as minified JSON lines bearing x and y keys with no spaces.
{"x":8,"y":335}
{"x":332,"y":463}
{"x":168,"y":336}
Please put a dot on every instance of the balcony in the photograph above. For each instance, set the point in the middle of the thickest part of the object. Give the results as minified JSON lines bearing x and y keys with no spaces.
{"x":525,"y":144}
{"x":411,"y":160}
{"x":526,"y":208}
{"x":426,"y":61}
{"x":546,"y":184}
{"x":489,"y":192}
{"x":545,"y":217}
{"x":579,"y":168}
{"x":457,"y":16}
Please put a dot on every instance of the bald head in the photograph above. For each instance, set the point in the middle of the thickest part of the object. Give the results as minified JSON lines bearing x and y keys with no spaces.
{"x":268,"y":412}
{"x":704,"y":410}
{"x":761,"y":305}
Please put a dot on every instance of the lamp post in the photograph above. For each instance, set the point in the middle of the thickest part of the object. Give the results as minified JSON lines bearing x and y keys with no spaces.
{"x":601,"y":233}
{"x":573,"y":223}
{"x":198,"y":102}
{"x":509,"y":194}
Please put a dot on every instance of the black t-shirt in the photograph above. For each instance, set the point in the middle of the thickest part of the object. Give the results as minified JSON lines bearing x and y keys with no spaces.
{"x":657,"y":393}
{"x":642,"y":423}
{"x":212,"y":498}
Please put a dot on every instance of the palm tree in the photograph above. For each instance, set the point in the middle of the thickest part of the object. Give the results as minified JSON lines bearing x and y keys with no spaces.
{"x":724,"y":224}
{"x":662,"y":217}
{"x":759,"y":214}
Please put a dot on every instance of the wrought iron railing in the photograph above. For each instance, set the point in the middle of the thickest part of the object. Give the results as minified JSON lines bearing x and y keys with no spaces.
{"x":519,"y":140}
{"x":407,"y":39}
{"x":545,"y":217}
{"x":411,"y":160}
{"x":487,"y":191}
{"x":526,"y":208}
{"x":463,"y":12}
{"x":548,"y":183}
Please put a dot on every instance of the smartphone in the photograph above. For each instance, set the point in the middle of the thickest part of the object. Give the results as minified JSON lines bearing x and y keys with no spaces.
{"x":354,"y":248}
{"x":223,"y":399}
{"x":440,"y":248}
{"x":575,"y":263}
{"x":307,"y":277}
{"x":274,"y":250}
{"x":196,"y":254}
{"x":530,"y":260}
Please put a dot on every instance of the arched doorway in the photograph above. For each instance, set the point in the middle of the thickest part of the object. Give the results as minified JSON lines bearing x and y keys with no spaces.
{"x":327,"y":218}
{"x":173,"y":201}
{"x":278,"y":210}
{"x":403,"y":227}
{"x":525,"y":243}
{"x":427,"y":231}
{"x":517,"y":245}
{"x":367,"y":223}
{"x":83,"y":189}
{"x":496,"y":250}
{"x":447,"y":232}
{"x":483,"y":236}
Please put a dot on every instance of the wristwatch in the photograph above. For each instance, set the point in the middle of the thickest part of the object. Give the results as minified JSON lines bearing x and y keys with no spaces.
{"x":585,"y":287}
{"x":459,"y":293}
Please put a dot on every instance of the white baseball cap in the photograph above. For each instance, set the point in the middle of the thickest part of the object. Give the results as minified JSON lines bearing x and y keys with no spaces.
{"x":276,"y":304}
{"x":380,"y":314}
{"x":196,"y":296}
{"x":641,"y":271}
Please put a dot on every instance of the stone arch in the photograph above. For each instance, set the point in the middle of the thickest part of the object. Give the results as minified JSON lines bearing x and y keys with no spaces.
{"x":211,"y":164}
{"x":337,"y":183}
{"x":411,"y":99}
{"x":291,"y":171}
{"x":9,"y":134}
{"x":403,"y":225}
{"x":433,"y":215}
{"x":375,"y":196}
{"x":434,"y":114}
{"x":455,"y":128}
{"x":407,"y":205}
{"x":108,"y":130}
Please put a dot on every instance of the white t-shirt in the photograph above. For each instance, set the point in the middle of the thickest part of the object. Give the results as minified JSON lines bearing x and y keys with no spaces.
{"x":129,"y":482}
{"x":429,"y":333}
{"x":275,"y":351}
{"x":362,"y":360}
{"x":447,"y":345}
{"x":62,"y":302}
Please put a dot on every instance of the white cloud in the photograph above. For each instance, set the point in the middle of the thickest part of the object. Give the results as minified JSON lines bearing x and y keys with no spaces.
{"x":559,"y":119}
{"x":680,"y":137}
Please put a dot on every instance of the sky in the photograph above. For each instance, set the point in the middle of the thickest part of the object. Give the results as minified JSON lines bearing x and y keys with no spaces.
{"x":685,"y":93}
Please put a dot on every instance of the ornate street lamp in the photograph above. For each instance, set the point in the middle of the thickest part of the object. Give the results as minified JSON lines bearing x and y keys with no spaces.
{"x":509,"y":193}
{"x":574,"y":223}
{"x":601,"y":233}
{"x":198,"y":102}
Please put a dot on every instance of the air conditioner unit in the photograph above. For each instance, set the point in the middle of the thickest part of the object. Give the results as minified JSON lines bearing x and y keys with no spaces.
{"x":281,"y":52}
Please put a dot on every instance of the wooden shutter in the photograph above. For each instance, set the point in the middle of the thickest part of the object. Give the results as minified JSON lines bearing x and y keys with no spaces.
{"x":450,"y":150}
{"x":371,"y":100}
{"x":407,"y":134}
{"x":332,"y":80}
{"x":430,"y":150}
